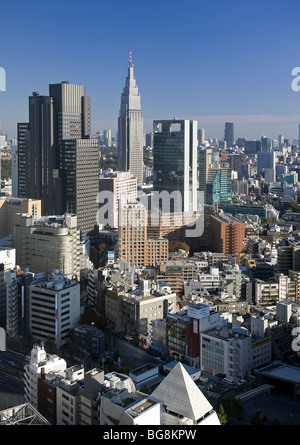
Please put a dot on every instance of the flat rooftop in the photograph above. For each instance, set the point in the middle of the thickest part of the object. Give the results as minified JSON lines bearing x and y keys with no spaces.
{"x":144,"y":368}
{"x":281,"y":371}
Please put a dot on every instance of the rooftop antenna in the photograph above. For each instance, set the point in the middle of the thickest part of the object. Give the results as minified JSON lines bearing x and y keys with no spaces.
{"x":130,"y":58}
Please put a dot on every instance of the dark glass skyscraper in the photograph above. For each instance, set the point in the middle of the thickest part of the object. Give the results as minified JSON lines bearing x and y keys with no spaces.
{"x":229,"y":134}
{"x":175,"y":161}
{"x":63,"y":115}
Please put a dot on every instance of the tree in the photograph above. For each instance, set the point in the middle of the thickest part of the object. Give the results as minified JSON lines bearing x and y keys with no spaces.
{"x":176,"y":245}
{"x":232,"y":407}
{"x":222,"y":415}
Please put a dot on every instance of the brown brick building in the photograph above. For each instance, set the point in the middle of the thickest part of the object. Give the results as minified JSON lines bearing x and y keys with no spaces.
{"x":227,"y":234}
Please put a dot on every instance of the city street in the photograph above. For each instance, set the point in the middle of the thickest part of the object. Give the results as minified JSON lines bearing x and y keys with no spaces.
{"x":11,"y":391}
{"x":131,"y":355}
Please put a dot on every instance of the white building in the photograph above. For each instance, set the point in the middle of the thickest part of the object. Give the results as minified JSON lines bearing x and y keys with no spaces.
{"x":225,"y":351}
{"x":176,"y":401}
{"x":54,"y":308}
{"x":40,"y":362}
{"x":8,"y":257}
{"x":66,"y":396}
{"x":116,"y":185}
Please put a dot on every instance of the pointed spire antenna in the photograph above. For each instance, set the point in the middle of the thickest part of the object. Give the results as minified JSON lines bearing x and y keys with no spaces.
{"x":130,"y":58}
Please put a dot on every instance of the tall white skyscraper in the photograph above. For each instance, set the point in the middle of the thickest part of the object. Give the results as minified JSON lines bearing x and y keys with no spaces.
{"x":130,"y":128}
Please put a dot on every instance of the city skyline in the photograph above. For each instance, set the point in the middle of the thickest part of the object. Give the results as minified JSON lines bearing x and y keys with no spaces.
{"x":211,"y":62}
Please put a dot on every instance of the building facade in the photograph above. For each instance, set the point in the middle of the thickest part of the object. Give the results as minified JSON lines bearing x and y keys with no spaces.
{"x":54,"y":308}
{"x":48,"y":243}
{"x":175,"y":164}
{"x":130,"y":129}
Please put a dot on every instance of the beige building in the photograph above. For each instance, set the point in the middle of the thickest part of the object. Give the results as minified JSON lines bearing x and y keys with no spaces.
{"x":133,"y":243}
{"x":48,"y":243}
{"x":9,"y":207}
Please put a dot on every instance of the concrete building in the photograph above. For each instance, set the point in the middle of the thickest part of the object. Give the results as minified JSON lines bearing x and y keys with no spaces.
{"x":139,"y":309}
{"x":201,"y":136}
{"x":64,"y":114}
{"x":88,"y":397}
{"x":9,"y":207}
{"x":8,"y":257}
{"x":288,"y":259}
{"x":48,"y":243}
{"x":265,"y":293}
{"x":176,"y":401}
{"x":89,"y":340}
{"x":226,"y":351}
{"x":228,"y":234}
{"x":58,"y":299}
{"x":80,"y":167}
{"x":40,"y":362}
{"x":119,"y":185}
{"x":66,"y":396}
{"x":133,"y":243}
{"x":130,"y":129}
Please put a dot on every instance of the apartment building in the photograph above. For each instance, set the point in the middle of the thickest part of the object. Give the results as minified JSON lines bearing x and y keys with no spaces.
{"x":133,"y":243}
{"x":227,"y":234}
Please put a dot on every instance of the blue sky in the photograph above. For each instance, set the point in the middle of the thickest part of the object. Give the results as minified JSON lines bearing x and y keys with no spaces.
{"x":210,"y":60}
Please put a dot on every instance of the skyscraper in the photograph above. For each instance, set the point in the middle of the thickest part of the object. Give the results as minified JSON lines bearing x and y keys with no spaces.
{"x":175,"y":161}
{"x":201,"y":137}
{"x":265,"y":160}
{"x":130,"y":128}
{"x":265,"y":143}
{"x":81,"y":182}
{"x":42,"y":155}
{"x":229,"y":134}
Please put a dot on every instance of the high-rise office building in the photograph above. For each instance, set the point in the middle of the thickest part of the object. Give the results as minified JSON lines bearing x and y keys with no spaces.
{"x":23,"y":159}
{"x":63,"y":115}
{"x":175,"y":162}
{"x":220,"y":189}
{"x":207,"y":170}
{"x":252,"y":147}
{"x":81,"y":182}
{"x":201,"y":137}
{"x":130,"y":129}
{"x":266,"y":143}
{"x":229,"y":134}
{"x":107,"y":138}
{"x":265,"y":160}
